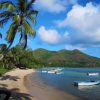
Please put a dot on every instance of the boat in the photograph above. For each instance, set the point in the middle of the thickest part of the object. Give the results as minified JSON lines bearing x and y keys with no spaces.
{"x":59,"y":69}
{"x":86,"y":83}
{"x":52,"y":71}
{"x":92,"y":74}
{"x":44,"y":71}
{"x":55,"y":71}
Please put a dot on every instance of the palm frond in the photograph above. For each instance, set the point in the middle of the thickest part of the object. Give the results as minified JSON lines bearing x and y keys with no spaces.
{"x":3,"y":21}
{"x":22,"y":15}
{"x":22,"y":4}
{"x":17,"y":18}
{"x":6,"y":14}
{"x":28,"y":29}
{"x":7,"y":5}
{"x":31,"y":18}
{"x":33,"y":12}
{"x":30,"y":4}
{"x":11,"y":33}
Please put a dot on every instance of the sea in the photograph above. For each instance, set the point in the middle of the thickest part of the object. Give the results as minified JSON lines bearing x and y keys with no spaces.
{"x":64,"y":81}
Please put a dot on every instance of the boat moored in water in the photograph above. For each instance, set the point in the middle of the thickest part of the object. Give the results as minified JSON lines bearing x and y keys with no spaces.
{"x":86,"y":83}
{"x":55,"y":71}
{"x":92,"y":74}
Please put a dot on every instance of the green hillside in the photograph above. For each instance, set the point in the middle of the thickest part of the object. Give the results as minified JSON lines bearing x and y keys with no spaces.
{"x":17,"y":57}
{"x":65,"y":58}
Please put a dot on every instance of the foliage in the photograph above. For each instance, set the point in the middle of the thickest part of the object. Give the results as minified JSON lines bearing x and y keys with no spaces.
{"x":21,"y":15}
{"x":20,"y":58}
{"x":65,"y":58}
{"x":3,"y":70}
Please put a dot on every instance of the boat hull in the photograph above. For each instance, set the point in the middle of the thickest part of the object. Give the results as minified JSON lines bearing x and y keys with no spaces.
{"x":86,"y":83}
{"x":92,"y":74}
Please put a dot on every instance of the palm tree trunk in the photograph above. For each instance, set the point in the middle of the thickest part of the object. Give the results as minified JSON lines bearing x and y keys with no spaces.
{"x":1,"y":56}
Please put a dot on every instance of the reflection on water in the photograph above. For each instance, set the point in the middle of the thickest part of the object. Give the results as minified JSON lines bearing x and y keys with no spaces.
{"x":64,"y":82}
{"x":87,"y":88}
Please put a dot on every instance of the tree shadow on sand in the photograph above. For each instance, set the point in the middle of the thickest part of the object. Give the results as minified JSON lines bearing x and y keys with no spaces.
{"x":3,"y":85}
{"x":9,"y":77}
{"x":13,"y":94}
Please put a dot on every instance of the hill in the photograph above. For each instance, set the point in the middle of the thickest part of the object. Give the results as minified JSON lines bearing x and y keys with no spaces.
{"x":65,"y":58}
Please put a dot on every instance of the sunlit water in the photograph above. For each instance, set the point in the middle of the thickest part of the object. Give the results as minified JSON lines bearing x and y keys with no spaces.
{"x":65,"y":81}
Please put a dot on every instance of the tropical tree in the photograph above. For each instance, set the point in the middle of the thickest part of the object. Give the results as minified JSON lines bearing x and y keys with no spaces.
{"x":21,"y":15}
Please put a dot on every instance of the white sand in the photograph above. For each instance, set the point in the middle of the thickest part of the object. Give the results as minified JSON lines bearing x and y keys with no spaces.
{"x":15,"y":80}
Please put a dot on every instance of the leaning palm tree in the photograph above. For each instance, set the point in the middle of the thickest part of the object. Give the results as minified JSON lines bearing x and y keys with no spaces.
{"x":21,"y":15}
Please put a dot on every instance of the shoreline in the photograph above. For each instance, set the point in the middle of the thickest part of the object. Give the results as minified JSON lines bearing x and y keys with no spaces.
{"x":46,"y":92}
{"x":14,"y":81}
{"x":19,"y":82}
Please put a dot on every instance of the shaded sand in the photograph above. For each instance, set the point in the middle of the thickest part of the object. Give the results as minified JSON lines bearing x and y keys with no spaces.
{"x":14,"y":81}
{"x":44,"y":92}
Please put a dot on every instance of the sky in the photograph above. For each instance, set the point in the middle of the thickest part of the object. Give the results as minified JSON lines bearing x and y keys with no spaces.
{"x":65,"y":24}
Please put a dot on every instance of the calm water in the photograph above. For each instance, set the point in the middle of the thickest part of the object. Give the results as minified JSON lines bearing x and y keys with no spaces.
{"x":64,"y":82}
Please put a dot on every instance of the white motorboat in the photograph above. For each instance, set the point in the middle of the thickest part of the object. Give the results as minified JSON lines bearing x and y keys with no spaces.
{"x":92,"y":74}
{"x":55,"y":71}
{"x":52,"y":71}
{"x":86,"y":83}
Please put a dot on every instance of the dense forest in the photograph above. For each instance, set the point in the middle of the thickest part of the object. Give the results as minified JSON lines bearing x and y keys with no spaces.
{"x":18,"y":57}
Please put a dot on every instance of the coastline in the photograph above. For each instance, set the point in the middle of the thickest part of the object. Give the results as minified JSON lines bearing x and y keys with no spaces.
{"x":14,"y":81}
{"x":46,"y":92}
{"x":20,"y":84}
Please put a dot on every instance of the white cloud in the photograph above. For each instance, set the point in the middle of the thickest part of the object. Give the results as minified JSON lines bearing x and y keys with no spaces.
{"x":73,"y":47}
{"x":54,"y":5}
{"x":52,"y":36}
{"x":85,"y":23}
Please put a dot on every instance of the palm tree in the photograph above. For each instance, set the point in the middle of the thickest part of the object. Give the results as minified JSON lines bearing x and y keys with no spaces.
{"x":21,"y":15}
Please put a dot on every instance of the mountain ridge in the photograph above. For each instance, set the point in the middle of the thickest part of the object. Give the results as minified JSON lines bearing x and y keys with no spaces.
{"x":65,"y":58}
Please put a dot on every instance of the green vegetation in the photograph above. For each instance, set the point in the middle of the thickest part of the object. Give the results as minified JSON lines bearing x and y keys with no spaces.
{"x":19,"y":58}
{"x":21,"y":16}
{"x":3,"y":71}
{"x":65,"y":58}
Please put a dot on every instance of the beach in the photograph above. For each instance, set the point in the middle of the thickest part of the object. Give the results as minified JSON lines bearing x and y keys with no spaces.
{"x":37,"y":88}
{"x":19,"y":82}
{"x":14,"y":81}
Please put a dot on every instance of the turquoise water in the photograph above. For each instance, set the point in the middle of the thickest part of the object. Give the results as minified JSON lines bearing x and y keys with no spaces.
{"x":64,"y":82}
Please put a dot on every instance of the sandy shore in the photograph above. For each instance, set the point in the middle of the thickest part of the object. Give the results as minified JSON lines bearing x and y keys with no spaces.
{"x":22,"y":88}
{"x":44,"y":92}
{"x":14,"y":81}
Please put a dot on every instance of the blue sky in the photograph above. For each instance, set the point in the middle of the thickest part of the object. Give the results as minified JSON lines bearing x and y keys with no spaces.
{"x":66,"y":24}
